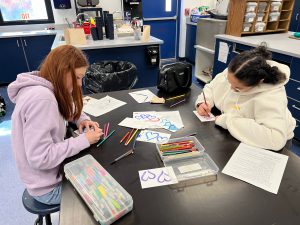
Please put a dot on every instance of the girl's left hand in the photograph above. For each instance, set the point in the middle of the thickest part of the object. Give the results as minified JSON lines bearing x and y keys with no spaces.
{"x":88,"y":124}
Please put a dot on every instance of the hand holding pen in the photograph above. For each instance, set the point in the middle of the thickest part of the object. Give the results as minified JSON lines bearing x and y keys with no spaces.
{"x":204,"y":108}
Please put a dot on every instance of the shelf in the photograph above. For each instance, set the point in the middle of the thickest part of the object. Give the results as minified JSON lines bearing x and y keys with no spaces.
{"x":204,"y":49}
{"x":203,"y":78}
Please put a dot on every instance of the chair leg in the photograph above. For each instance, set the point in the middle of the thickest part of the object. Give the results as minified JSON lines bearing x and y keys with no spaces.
{"x":48,"y":219}
{"x":39,"y":221}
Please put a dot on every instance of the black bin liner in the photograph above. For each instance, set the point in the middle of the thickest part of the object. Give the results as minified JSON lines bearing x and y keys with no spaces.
{"x":107,"y":76}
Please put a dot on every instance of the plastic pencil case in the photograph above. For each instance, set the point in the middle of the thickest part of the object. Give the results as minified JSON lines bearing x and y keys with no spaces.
{"x":262,"y":6}
{"x":249,"y":17}
{"x":251,"y":6}
{"x":247,"y":27}
{"x":195,"y":17}
{"x":275,"y":6}
{"x":260,"y":27}
{"x":198,"y":152}
{"x":104,"y":196}
{"x":274,"y":16}
{"x":196,"y":170}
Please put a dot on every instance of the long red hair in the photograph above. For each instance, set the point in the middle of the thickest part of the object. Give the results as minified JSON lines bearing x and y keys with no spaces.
{"x":55,"y":67}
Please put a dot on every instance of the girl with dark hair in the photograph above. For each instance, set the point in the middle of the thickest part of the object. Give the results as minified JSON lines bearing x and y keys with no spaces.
{"x":45,"y":100}
{"x":251,"y":97}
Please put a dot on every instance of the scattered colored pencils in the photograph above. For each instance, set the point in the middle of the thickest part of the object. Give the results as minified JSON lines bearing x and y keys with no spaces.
{"x":178,"y":147}
{"x":105,"y":138}
{"x":131,"y":137}
{"x":176,"y":103}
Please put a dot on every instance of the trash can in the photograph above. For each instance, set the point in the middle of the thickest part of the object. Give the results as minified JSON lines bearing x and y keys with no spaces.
{"x":105,"y":76}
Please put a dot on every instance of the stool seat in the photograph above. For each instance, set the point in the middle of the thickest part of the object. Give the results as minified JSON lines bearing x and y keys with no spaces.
{"x":36,"y":207}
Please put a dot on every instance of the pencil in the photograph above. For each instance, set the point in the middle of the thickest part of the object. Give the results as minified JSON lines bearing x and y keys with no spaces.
{"x":177,"y":103}
{"x":178,"y":96}
{"x":105,"y":138}
{"x":204,"y":97}
{"x":131,"y":137}
{"x":124,"y":137}
{"x":122,"y":156}
{"x":107,"y":126}
{"x":128,"y":137}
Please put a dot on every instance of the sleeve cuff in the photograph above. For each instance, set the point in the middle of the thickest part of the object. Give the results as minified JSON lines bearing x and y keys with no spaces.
{"x":221,"y":121}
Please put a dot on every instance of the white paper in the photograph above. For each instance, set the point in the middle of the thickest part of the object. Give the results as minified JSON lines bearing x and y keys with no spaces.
{"x":257,"y":166}
{"x":157,"y":177}
{"x":223,"y":52}
{"x":132,"y":123}
{"x":211,"y":117}
{"x":170,"y":120}
{"x":142,"y":96}
{"x":153,"y":137}
{"x":189,"y":168}
{"x":98,"y":107}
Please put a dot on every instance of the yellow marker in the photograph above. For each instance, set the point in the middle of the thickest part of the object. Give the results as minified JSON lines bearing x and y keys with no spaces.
{"x":92,"y":21}
{"x":102,"y":191}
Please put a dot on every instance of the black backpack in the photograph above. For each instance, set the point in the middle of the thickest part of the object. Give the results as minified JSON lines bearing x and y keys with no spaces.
{"x":2,"y":107}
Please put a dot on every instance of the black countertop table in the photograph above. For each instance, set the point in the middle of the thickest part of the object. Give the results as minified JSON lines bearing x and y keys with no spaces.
{"x":226,"y":201}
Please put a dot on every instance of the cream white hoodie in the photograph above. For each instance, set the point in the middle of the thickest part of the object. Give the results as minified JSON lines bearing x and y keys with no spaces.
{"x":258,"y":117}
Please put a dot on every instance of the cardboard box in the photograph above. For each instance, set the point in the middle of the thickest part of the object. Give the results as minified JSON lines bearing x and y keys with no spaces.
{"x":75,"y":36}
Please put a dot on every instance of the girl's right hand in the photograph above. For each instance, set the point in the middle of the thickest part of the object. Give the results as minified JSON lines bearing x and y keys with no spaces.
{"x":204,"y":109}
{"x":93,"y":136}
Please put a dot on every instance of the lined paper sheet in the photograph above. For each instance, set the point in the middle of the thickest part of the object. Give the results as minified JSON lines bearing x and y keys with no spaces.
{"x":259,"y":167}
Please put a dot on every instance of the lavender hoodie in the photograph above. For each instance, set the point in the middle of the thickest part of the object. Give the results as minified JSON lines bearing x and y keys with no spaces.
{"x":38,"y":131}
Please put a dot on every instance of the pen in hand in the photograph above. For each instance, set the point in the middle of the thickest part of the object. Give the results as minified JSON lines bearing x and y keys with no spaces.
{"x":205,"y":102}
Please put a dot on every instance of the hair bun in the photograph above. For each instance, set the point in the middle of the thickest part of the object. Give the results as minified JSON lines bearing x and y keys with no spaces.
{"x":262,"y":51}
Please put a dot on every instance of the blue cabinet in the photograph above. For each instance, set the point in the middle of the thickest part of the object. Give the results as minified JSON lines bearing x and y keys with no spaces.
{"x":22,"y":54}
{"x":12,"y":59}
{"x":295,"y":19}
{"x":190,"y":51}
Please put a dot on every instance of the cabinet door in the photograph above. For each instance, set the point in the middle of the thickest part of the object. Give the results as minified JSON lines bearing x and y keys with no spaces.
{"x":295,"y":19}
{"x":221,"y":63}
{"x":12,"y":59}
{"x":37,"y":48}
{"x":190,"y":51}
{"x":295,"y":70}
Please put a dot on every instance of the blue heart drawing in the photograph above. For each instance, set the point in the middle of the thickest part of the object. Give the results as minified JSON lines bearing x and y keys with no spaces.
{"x":153,"y":135}
{"x":163,"y":177}
{"x":147,"y":175}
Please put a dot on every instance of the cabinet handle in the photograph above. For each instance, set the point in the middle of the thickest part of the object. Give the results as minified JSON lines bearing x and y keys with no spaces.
{"x":295,"y":107}
{"x":18,"y":43}
{"x":234,"y":49}
{"x":298,"y":88}
{"x":297,"y":15}
{"x":25,"y":43}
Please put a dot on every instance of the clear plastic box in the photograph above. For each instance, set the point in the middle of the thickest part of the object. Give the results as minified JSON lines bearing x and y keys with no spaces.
{"x":260,"y":17}
{"x":275,"y":6}
{"x":251,"y":6}
{"x":105,"y":197}
{"x":200,"y":149}
{"x":249,"y":17}
{"x":191,"y":171}
{"x":262,"y":6}
{"x":260,"y":27}
{"x":274,"y":16}
{"x":247,"y":27}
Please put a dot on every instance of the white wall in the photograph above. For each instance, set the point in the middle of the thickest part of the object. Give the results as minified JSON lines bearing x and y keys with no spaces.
{"x":70,"y":14}
{"x":189,"y":4}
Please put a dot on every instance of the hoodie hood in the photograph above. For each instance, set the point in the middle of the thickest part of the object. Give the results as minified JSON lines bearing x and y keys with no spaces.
{"x":24,"y":81}
{"x":267,"y":87}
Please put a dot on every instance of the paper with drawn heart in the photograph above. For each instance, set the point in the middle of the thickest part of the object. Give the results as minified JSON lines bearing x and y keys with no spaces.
{"x":157,"y":177}
{"x":211,"y":117}
{"x":153,"y":137}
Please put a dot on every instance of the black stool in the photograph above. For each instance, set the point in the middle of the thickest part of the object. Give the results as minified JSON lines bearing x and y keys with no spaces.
{"x":42,"y":210}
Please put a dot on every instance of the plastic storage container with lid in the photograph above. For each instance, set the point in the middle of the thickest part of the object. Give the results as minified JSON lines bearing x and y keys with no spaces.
{"x":247,"y":27}
{"x":251,"y":6}
{"x":262,"y":6}
{"x":249,"y":17}
{"x":104,"y":196}
{"x":274,"y":16}
{"x":260,"y":27}
{"x":165,"y":157}
{"x":193,"y":170}
{"x":260,"y":17}
{"x":275,"y":6}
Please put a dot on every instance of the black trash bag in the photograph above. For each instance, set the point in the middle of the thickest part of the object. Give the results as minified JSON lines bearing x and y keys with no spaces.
{"x":107,"y":76}
{"x":2,"y":106}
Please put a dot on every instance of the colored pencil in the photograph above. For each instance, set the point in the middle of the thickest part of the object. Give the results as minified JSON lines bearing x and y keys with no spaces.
{"x":105,"y":138}
{"x":107,"y":126}
{"x":104,"y":130}
{"x":122,"y":156}
{"x":178,"y":96}
{"x":176,"y":103}
{"x":177,"y":142}
{"x":131,"y":137}
{"x":124,"y":137}
{"x":128,"y":137}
